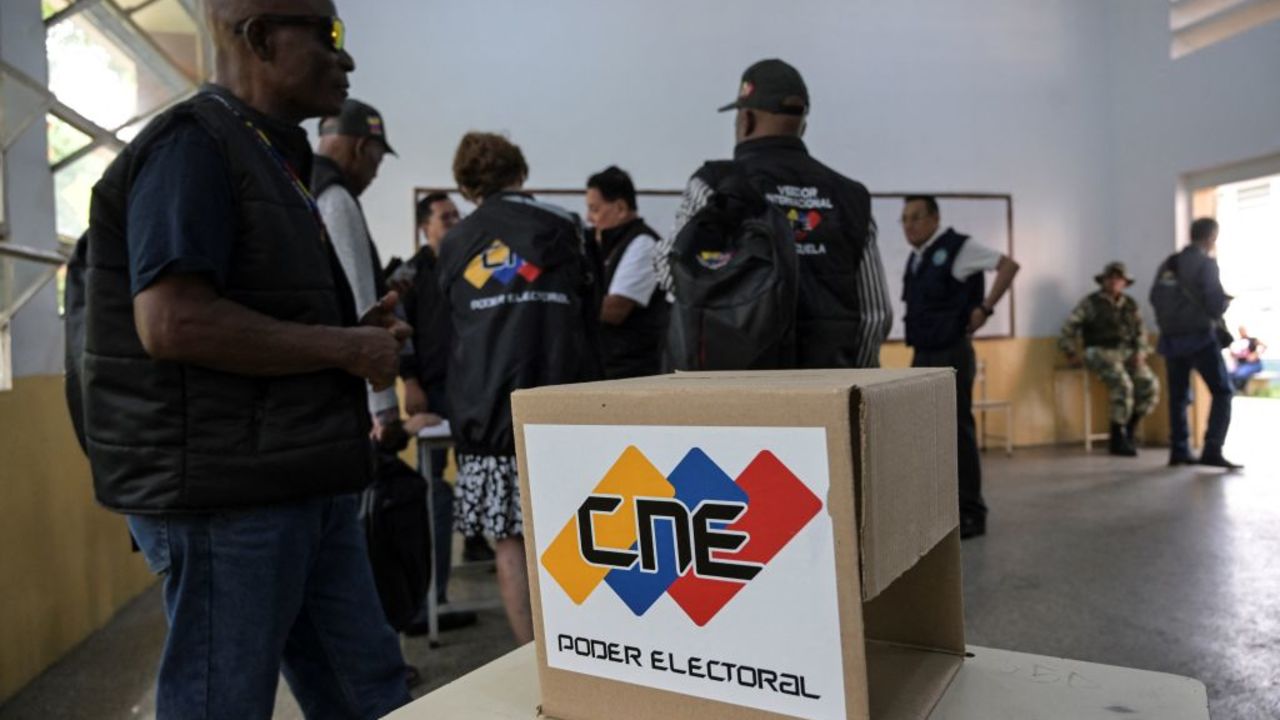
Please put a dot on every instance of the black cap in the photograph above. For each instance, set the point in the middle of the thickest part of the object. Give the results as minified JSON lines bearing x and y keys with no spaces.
{"x":772,"y":86}
{"x":356,"y":120}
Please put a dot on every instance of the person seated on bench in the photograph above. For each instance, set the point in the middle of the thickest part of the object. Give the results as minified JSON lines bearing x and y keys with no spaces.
{"x":1247,"y":353}
{"x":1115,"y":349}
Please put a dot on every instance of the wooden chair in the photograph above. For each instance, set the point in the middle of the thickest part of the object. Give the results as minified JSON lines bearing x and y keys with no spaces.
{"x":1089,"y":436}
{"x":983,"y":405}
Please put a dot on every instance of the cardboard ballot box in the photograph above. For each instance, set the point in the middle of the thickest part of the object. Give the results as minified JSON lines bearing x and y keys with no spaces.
{"x":743,"y":545}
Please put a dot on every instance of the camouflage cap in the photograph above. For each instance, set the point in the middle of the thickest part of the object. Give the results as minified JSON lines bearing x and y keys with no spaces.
{"x":1114,"y":269}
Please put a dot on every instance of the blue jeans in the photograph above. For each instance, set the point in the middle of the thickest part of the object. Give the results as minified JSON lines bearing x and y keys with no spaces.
{"x":253,"y":592}
{"x":1208,"y":362}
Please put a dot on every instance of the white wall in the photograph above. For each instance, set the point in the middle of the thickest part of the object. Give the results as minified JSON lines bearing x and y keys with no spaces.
{"x":986,"y":95}
{"x":1071,"y":105}
{"x":37,"y":331}
{"x":1217,"y":106}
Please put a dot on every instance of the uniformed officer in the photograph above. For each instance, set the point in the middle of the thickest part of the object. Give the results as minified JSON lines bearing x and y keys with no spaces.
{"x":943,"y":289}
{"x":1115,"y":349}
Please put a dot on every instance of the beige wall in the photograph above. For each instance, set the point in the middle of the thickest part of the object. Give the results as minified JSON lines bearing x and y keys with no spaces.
{"x":65,"y":563}
{"x":1048,"y":403}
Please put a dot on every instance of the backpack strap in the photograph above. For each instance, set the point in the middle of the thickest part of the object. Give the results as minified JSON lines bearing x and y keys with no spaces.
{"x":713,"y":172}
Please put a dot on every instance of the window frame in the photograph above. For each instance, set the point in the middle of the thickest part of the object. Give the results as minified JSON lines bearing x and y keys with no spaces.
{"x":119,"y":27}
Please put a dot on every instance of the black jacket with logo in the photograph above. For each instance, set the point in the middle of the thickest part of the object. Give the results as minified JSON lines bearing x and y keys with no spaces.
{"x":520,"y":294}
{"x":830,"y":216}
{"x":171,"y":437}
{"x":632,"y":348}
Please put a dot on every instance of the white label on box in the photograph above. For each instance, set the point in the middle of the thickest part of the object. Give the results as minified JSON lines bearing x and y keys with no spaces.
{"x":698,"y":560}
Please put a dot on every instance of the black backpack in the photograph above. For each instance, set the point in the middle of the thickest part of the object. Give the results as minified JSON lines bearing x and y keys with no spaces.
{"x":1180,"y":309}
{"x":393,"y":511}
{"x":734,"y":275}
{"x":74,"y":335}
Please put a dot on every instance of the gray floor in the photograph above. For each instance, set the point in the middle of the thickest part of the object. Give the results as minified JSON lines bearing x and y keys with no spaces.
{"x":1123,"y":562}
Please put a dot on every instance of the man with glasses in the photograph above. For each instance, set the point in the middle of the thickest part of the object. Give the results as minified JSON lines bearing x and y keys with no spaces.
{"x":944,"y":292}
{"x":224,"y":378}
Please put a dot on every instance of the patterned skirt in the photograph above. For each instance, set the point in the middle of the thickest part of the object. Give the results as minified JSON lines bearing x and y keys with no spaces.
{"x":487,"y":497}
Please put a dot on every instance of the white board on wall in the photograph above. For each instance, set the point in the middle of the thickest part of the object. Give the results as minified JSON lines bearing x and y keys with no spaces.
{"x":987,"y":218}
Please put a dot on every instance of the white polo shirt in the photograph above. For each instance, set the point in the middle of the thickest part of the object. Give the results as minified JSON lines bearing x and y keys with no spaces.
{"x":635,"y":278}
{"x":972,"y":258}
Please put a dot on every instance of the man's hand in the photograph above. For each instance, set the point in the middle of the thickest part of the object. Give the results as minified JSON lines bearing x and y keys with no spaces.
{"x":1074,"y":360}
{"x":390,"y":436}
{"x":373,"y":354}
{"x":415,"y":398}
{"x":416,"y":422}
{"x":977,"y":319}
{"x":383,"y":315}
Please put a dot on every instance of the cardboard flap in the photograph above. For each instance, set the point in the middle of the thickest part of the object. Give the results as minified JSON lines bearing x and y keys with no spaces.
{"x":906,"y":683}
{"x":751,"y":381}
{"x":907,"y":477}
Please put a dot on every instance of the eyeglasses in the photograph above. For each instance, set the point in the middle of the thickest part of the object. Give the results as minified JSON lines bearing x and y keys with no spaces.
{"x":332,"y":31}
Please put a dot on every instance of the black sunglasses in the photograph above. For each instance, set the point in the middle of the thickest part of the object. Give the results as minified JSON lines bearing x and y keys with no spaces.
{"x":333,"y":31}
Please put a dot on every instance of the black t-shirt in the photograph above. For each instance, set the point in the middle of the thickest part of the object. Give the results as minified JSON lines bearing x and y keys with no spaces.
{"x":181,"y":209}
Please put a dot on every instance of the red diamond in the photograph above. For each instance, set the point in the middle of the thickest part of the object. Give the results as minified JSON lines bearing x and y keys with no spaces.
{"x":529,"y":271}
{"x":779,"y":505}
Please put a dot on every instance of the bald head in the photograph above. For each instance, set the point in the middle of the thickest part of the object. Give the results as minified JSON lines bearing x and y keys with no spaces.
{"x":279,"y":56}
{"x":753,"y":123}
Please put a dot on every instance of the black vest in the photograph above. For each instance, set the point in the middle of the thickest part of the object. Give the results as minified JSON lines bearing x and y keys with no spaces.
{"x":170,"y":437}
{"x":633,"y":348}
{"x":938,"y":305}
{"x":521,"y":302}
{"x":830,"y":218}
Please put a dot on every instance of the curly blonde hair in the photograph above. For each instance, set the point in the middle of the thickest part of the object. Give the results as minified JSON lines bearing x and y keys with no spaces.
{"x":487,"y":163}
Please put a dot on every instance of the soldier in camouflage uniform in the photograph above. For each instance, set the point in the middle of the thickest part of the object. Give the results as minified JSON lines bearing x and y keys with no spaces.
{"x":1115,"y":349}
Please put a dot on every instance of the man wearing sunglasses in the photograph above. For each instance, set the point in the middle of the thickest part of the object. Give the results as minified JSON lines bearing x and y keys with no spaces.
{"x":224,"y":378}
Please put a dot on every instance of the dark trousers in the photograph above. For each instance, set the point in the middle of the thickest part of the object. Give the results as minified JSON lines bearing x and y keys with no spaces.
{"x":1208,"y":362}
{"x":960,"y":357}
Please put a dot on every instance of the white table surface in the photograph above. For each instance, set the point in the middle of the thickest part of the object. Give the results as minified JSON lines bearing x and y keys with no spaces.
{"x":443,"y":431}
{"x":992,"y":685}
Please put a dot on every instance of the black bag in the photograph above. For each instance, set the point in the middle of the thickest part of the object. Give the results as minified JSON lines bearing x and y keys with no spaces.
{"x":74,"y":335}
{"x":1179,"y":308}
{"x":734,"y":275}
{"x":394,"y":512}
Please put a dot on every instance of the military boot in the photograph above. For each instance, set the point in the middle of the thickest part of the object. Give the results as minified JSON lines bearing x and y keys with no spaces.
{"x":1131,"y":429}
{"x":1120,"y":443}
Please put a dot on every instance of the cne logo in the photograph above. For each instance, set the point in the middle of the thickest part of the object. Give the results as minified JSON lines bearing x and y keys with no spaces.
{"x":696,"y":535}
{"x":499,"y":262}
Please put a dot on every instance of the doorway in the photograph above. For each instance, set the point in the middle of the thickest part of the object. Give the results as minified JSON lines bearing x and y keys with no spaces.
{"x":1248,"y":215}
